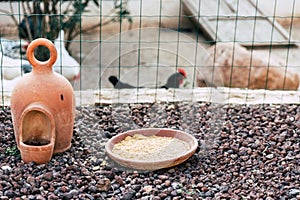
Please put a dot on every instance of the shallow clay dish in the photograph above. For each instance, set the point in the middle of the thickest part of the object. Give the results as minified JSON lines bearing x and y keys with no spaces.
{"x":153,"y":165}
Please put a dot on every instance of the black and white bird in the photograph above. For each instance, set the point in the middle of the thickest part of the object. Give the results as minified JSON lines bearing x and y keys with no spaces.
{"x":119,"y":84}
{"x":174,"y":81}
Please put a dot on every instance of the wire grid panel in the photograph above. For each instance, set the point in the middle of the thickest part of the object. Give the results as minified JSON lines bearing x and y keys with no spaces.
{"x":143,"y":54}
{"x":145,"y":57}
{"x":234,"y":20}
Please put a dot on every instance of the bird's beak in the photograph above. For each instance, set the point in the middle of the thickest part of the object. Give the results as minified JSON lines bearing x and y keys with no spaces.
{"x":77,"y":77}
{"x":182,"y":80}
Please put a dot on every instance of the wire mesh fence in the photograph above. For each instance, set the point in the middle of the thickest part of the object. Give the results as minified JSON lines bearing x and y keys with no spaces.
{"x":182,"y":65}
{"x":138,"y":51}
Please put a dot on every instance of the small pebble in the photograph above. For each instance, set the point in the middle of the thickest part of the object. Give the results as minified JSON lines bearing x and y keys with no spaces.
{"x":5,"y":167}
{"x":147,"y":188}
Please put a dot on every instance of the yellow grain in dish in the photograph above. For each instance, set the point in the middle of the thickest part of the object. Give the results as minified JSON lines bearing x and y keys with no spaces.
{"x":150,"y":148}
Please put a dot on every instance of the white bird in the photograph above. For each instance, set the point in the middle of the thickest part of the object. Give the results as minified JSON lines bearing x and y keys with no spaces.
{"x":8,"y":85}
{"x":12,"y":68}
{"x":65,"y":63}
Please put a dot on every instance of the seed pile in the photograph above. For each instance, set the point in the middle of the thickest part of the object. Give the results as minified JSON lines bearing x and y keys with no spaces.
{"x":150,"y":148}
{"x":246,"y":152}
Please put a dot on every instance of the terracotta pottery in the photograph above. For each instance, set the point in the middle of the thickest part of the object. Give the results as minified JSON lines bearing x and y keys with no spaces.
{"x":153,"y":165}
{"x":43,"y":108}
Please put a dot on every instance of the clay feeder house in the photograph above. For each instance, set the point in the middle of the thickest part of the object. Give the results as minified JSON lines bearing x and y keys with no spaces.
{"x":43,"y":109}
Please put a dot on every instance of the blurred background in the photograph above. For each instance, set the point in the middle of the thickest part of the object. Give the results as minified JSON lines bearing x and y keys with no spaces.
{"x":228,"y":43}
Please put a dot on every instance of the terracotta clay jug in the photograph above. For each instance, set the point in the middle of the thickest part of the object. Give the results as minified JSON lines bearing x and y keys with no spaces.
{"x":43,"y":108}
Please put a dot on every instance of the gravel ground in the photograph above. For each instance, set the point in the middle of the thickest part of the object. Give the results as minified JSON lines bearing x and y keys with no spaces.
{"x":246,"y":152}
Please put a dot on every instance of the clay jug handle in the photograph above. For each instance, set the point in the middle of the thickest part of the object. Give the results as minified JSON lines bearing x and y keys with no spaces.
{"x":41,"y":65}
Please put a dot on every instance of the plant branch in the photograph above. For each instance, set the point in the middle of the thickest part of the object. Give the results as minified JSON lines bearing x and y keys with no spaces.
{"x":68,"y":7}
{"x":10,"y":13}
{"x":26,"y":21}
{"x":112,"y":20}
{"x":28,"y":7}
